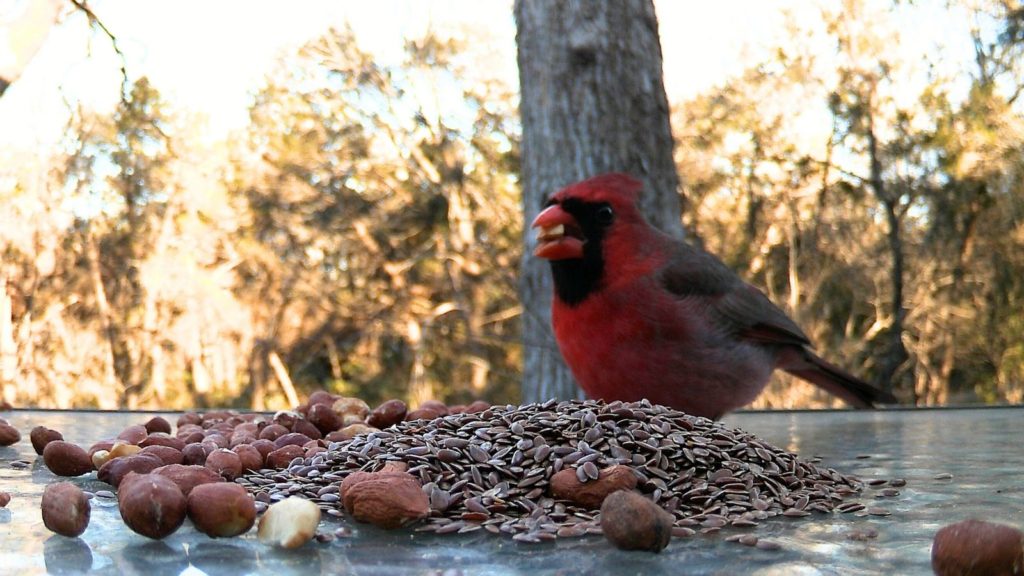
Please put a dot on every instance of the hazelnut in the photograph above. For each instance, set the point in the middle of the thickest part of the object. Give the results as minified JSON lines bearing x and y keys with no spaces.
{"x":193,"y":454}
{"x":477,"y":406}
{"x":225,"y":462}
{"x":423,"y":414}
{"x":350,"y":410}
{"x":353,"y":430}
{"x":221,"y":510}
{"x":192,"y":438}
{"x":633,"y":522}
{"x":306,"y":428}
{"x":188,"y":477}
{"x":133,"y":434}
{"x":166,"y":454}
{"x":157,"y":424}
{"x":283,"y":456}
{"x":435,"y":405}
{"x":216,"y":439}
{"x":289,"y":523}
{"x":189,"y":418}
{"x":264,"y":447}
{"x":151,"y":505}
{"x":273,"y":432}
{"x":162,"y":439}
{"x":566,"y":485}
{"x":9,"y":435}
{"x":188,"y":429}
{"x":65,"y":509}
{"x":66,"y":459}
{"x":286,"y":418}
{"x":977,"y":548}
{"x":115,"y":470}
{"x":387,"y":414}
{"x":5,"y":499}
{"x":250,"y":457}
{"x":324,"y":418}
{"x":291,"y":438}
{"x":321,"y":397}
{"x":40,"y":436}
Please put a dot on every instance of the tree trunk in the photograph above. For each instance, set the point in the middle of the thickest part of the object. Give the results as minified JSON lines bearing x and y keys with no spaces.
{"x":896,"y":353}
{"x":593,"y":101}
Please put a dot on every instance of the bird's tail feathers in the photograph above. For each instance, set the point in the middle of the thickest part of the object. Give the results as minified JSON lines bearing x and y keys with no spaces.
{"x":839,"y":382}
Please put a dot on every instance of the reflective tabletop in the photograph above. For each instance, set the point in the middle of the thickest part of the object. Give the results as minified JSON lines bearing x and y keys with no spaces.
{"x":957,"y":463}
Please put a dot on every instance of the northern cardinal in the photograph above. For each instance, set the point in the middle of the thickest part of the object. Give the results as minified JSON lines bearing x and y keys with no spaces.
{"x":638,"y":314}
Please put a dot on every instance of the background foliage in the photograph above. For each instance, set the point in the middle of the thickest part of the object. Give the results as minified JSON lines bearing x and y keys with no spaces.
{"x":363,"y":234}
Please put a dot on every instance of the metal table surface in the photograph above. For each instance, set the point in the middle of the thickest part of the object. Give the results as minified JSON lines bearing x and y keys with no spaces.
{"x":982,"y":448}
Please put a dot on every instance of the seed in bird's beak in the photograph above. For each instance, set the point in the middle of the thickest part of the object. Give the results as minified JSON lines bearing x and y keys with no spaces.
{"x":551,"y":233}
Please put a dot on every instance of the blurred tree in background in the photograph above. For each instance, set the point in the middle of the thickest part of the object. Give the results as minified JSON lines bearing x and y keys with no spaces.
{"x":364,"y":233}
{"x":894,"y":237}
{"x":361,"y":238}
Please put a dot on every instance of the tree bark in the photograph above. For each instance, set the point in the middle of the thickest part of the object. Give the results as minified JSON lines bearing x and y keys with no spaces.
{"x":896,"y":353}
{"x":593,"y":101}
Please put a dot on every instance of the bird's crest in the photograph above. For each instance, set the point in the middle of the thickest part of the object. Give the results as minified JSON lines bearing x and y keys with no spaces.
{"x":615,"y":188}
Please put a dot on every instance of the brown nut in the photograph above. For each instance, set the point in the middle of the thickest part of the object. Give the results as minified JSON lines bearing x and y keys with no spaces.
{"x":289,"y":523}
{"x":286,"y":418}
{"x":40,"y":436}
{"x":189,"y":418}
{"x":324,"y":418}
{"x":133,"y":434}
{"x":5,"y":499}
{"x":225,"y":462}
{"x":477,"y":406}
{"x":388,"y":500}
{"x":350,"y":410}
{"x":221,"y":510}
{"x":272,"y":432}
{"x":566,"y":485}
{"x":422,"y":414}
{"x":359,"y":476}
{"x":353,"y":430}
{"x":321,"y":397}
{"x":292,"y":438}
{"x":633,"y":522}
{"x":305,"y":428}
{"x":157,"y":424}
{"x":284,"y":455}
{"x":9,"y":435}
{"x":115,"y":470}
{"x":185,"y":430}
{"x":188,"y":477}
{"x":151,"y":504}
{"x":436,"y":405}
{"x":162,"y":439}
{"x":166,"y":454}
{"x":265,"y":447}
{"x":193,"y":454}
{"x":66,"y":459}
{"x":978,"y":548}
{"x":65,"y":509}
{"x":387,"y":414}
{"x":250,"y":457}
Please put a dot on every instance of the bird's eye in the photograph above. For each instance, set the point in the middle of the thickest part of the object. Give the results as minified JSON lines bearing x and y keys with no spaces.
{"x":605,"y":215}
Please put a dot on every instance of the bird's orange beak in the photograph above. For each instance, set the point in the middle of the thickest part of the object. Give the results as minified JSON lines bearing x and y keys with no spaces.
{"x":558,"y":235}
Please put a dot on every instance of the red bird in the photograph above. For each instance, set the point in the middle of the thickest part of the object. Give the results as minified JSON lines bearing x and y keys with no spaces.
{"x":639,"y":314}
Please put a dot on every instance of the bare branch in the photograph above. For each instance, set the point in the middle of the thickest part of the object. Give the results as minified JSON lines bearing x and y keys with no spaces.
{"x":95,"y":21}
